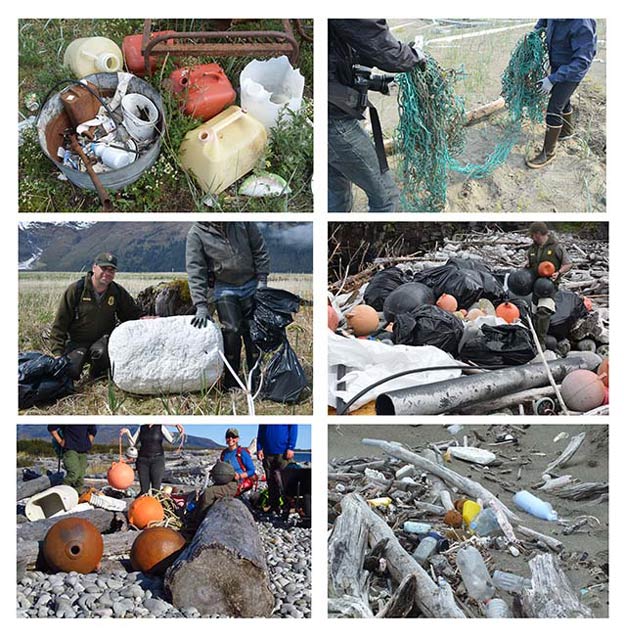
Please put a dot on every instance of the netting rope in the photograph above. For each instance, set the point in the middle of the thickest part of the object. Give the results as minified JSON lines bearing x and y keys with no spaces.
{"x":431,"y":135}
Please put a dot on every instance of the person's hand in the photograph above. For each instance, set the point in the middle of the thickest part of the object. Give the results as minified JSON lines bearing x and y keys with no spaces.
{"x":61,"y":442}
{"x":180,"y":429}
{"x":149,"y":317}
{"x":555,"y":275}
{"x":124,"y":431}
{"x":544,"y":86}
{"x":201,"y":318}
{"x":421,"y":58}
{"x":237,"y":476}
{"x":260,"y":455}
{"x":289,"y":454}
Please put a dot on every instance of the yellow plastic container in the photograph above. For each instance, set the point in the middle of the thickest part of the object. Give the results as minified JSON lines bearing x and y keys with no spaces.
{"x":470,"y":511}
{"x":86,"y":56}
{"x":223,"y":149}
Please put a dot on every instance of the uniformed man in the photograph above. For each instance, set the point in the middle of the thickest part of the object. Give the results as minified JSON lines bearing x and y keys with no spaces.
{"x":88,"y":312}
{"x":226,"y":263}
{"x":545,"y":247}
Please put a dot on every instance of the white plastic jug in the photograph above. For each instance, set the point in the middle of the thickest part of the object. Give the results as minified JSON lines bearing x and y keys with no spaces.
{"x":54,"y":500}
{"x":86,"y":56}
{"x":140,"y":116}
{"x":268,"y":86}
{"x":223,"y":149}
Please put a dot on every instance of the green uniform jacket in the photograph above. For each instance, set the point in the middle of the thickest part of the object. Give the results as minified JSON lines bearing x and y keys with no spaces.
{"x":233,"y":256}
{"x":83,"y":320}
{"x":551,"y":251}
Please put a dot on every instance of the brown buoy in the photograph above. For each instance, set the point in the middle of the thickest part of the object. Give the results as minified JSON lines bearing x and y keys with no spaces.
{"x":362,"y":320}
{"x":73,"y":545}
{"x":154,"y":549}
{"x":447,"y":302}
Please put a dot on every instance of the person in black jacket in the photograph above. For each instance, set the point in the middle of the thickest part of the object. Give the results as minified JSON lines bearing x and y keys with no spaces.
{"x":74,"y":442}
{"x":352,"y":157}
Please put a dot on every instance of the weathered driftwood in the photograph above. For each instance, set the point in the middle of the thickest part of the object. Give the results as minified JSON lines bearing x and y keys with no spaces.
{"x":402,"y":600}
{"x":36,"y":530}
{"x":114,"y":545}
{"x":432,"y":600}
{"x":438,"y":487}
{"x":480,"y":113}
{"x":549,"y":541}
{"x":571,"y":449}
{"x":583,"y":491}
{"x":551,"y":595}
{"x":223,"y":569}
{"x":486,"y":407}
{"x":465,"y":485}
{"x":26,"y":489}
{"x":347,"y":578}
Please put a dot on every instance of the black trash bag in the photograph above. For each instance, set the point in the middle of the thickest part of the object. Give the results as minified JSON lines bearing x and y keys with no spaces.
{"x":429,"y":326}
{"x":524,"y":306}
{"x":42,"y":379}
{"x":499,"y":345}
{"x":272,"y":313}
{"x":284,"y":379}
{"x":407,"y":298}
{"x":469,"y":264}
{"x":381,"y":285}
{"x":569,"y":309}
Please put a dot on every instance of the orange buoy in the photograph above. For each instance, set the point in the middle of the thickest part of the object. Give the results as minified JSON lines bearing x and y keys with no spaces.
{"x":145,"y":510}
{"x":120,"y":475}
{"x":155,"y":548}
{"x":73,"y":545}
{"x":447,"y":302}
{"x":603,"y":372}
{"x":332,"y":318}
{"x":582,"y":390}
{"x":362,"y":320}
{"x":508,"y":311}
{"x":588,"y":303}
{"x":546,"y":269}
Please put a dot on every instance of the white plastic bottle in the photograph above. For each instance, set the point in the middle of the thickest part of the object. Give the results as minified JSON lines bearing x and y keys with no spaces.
{"x":474,"y":573}
{"x":534,"y":506}
{"x":506,"y":581}
{"x":114,"y":158}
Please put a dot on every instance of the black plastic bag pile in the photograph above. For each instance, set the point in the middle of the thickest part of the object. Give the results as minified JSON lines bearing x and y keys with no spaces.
{"x":429,"y":326}
{"x":492,"y":346}
{"x":284,"y":377}
{"x":382,"y":284}
{"x":42,"y":379}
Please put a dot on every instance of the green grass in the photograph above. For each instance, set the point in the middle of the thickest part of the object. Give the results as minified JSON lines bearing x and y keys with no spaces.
{"x":39,"y":295}
{"x":166,"y":186}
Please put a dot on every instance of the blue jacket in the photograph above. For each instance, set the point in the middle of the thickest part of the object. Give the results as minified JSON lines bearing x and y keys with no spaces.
{"x":230,"y":456}
{"x":276,"y":439}
{"x":571,"y":45}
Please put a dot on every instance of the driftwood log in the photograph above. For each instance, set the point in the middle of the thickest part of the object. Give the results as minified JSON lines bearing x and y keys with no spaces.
{"x":223,"y":569}
{"x":36,"y":530}
{"x":571,"y":449}
{"x":28,"y":552}
{"x":551,"y":595}
{"x":432,"y":600}
{"x":26,"y":489}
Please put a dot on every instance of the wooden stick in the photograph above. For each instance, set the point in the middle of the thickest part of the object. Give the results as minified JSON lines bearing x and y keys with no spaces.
{"x":572,"y":448}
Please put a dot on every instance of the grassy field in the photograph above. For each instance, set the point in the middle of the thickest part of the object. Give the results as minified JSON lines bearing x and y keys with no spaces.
{"x":166,"y":186}
{"x":39,"y":294}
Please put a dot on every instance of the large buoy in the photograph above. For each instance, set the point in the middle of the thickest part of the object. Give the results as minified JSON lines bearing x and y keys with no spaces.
{"x":546,"y":269}
{"x":144,"y":511}
{"x":120,"y":475}
{"x":521,"y":281}
{"x":362,"y":320}
{"x":582,"y":390}
{"x":73,"y":545}
{"x":508,"y":311}
{"x":154,"y":549}
{"x":544,"y":287}
{"x":447,"y":302}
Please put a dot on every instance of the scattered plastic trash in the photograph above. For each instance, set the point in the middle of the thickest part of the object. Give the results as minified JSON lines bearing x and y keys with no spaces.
{"x":426,"y":548}
{"x":414,"y":527}
{"x":485,"y":523}
{"x":535,"y":506}
{"x":506,"y":581}
{"x":474,"y":573}
{"x":264,"y":185}
{"x":472,"y":454}
{"x":497,"y":608}
{"x":382,"y":501}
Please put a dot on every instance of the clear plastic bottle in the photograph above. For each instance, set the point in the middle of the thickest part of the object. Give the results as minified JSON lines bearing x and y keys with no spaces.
{"x":506,"y":581}
{"x":497,"y":608}
{"x":416,"y":527}
{"x":474,"y":573}
{"x":534,"y":506}
{"x":426,"y":548}
{"x":485,"y":523}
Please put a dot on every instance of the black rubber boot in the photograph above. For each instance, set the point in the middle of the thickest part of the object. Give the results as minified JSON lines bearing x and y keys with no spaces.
{"x":567,"y":130}
{"x":251,"y":352}
{"x":548,"y":152}
{"x":231,"y":319}
{"x":100,"y":363}
{"x":542,"y":323}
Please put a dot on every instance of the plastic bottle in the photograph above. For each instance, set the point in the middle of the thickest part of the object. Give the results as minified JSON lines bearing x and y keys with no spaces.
{"x":506,"y":581}
{"x":426,"y":548}
{"x":415,"y":527}
{"x":113,"y":157}
{"x":474,"y":573}
{"x":381,"y":501}
{"x":535,"y":506}
{"x":485,"y":523}
{"x":470,"y":509}
{"x":86,"y":56}
{"x":497,"y":608}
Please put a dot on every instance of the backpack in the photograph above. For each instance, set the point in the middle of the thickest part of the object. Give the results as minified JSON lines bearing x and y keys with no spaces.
{"x":249,"y":482}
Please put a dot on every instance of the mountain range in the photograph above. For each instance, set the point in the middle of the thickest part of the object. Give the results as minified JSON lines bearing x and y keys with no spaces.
{"x":145,"y":246}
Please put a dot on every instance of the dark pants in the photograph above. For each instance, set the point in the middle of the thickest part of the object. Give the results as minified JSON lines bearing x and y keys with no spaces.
{"x":234,"y":315}
{"x":95,"y":354}
{"x":352,"y":160}
{"x":151,"y":470}
{"x":273,"y":465}
{"x":559,"y":102}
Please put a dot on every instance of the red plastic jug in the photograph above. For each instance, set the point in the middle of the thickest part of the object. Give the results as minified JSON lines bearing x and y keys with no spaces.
{"x":131,"y":49}
{"x":204,"y":90}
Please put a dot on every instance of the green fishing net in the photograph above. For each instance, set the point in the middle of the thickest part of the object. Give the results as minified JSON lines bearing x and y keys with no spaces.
{"x":431,"y":137}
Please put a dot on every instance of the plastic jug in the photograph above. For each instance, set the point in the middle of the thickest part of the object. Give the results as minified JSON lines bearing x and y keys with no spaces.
{"x":204,"y":90}
{"x":268,"y":86}
{"x":535,"y":506}
{"x":474,"y":573}
{"x":86,"y":56}
{"x":223,"y":149}
{"x":135,"y":62}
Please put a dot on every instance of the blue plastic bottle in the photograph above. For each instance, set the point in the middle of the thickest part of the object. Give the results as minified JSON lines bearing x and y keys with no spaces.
{"x":535,"y":506}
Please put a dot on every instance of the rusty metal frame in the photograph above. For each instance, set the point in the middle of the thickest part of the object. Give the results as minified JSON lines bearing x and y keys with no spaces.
{"x":259,"y":43}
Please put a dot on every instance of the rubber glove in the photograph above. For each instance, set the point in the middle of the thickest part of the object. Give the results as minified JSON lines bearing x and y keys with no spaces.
{"x":545,"y":86}
{"x":421,"y":58}
{"x":201,"y":318}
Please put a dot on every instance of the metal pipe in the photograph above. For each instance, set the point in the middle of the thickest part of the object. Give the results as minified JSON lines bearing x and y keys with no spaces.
{"x":445,"y":397}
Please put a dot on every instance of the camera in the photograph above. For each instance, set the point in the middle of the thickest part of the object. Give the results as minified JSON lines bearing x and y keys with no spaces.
{"x":364,"y":79}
